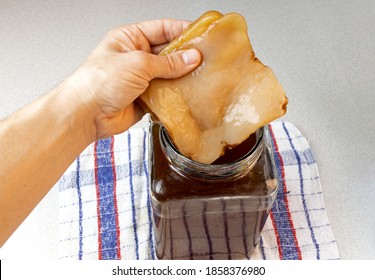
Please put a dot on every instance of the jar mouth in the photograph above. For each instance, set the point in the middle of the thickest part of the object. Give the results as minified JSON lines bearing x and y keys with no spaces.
{"x":205,"y":171}
{"x":167,"y":140}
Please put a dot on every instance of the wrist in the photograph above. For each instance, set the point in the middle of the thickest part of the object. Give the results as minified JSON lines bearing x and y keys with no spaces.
{"x":76,"y":105}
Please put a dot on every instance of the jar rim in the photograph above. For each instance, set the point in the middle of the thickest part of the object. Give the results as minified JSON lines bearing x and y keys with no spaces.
{"x":259,"y":136}
{"x":203,"y":171}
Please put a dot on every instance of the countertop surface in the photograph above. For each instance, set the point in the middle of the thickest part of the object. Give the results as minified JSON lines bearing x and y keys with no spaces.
{"x":323,"y":53}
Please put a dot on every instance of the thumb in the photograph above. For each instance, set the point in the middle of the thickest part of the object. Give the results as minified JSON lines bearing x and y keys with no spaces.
{"x":176,"y":64}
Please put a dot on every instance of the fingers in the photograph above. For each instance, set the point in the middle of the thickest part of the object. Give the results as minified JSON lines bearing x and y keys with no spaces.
{"x":142,"y":36}
{"x":157,"y":49}
{"x":174,"y":65}
{"x":161,"y":31}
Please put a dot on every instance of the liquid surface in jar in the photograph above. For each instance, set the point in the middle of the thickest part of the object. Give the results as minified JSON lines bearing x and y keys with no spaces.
{"x":239,"y":151}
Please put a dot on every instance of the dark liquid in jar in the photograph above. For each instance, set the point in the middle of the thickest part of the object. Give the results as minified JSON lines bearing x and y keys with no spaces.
{"x":239,"y":151}
{"x":195,"y":219}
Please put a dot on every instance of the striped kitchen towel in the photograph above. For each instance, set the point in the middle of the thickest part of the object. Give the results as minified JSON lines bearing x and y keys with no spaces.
{"x":105,"y":210}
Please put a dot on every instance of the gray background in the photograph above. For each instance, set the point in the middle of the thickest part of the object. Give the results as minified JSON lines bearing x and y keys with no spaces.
{"x":321,"y":51}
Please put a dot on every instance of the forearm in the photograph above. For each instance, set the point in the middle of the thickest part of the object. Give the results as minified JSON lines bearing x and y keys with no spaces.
{"x":37,"y":144}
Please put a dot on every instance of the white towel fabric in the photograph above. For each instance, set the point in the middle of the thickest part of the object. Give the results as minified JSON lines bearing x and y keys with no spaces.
{"x":105,"y":211}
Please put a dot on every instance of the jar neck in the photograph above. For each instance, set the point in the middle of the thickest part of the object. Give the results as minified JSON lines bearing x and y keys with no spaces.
{"x":211,"y":172}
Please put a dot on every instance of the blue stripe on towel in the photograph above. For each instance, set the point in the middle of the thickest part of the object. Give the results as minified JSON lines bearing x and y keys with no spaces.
{"x":303,"y":193}
{"x":261,"y":245}
{"x":290,"y":158}
{"x":279,"y":209}
{"x":225,"y":219}
{"x":105,"y":177}
{"x":244,"y":226}
{"x":171,"y":239}
{"x":191,"y":255}
{"x":134,"y":214}
{"x":80,"y":214}
{"x":150,"y":230}
{"x":206,"y":230}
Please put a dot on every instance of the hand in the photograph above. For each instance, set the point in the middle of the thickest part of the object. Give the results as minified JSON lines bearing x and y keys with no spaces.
{"x":121,"y":67}
{"x":95,"y":102}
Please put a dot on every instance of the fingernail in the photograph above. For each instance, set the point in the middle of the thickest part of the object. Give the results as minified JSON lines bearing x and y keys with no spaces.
{"x":191,"y":56}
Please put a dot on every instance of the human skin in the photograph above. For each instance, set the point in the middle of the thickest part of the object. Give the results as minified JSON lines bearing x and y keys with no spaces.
{"x":41,"y":140}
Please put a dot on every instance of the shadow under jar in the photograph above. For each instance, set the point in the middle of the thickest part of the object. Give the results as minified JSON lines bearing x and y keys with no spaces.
{"x":211,"y":211}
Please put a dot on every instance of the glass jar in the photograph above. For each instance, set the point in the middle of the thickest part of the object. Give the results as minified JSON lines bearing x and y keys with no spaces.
{"x":211,"y":211}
